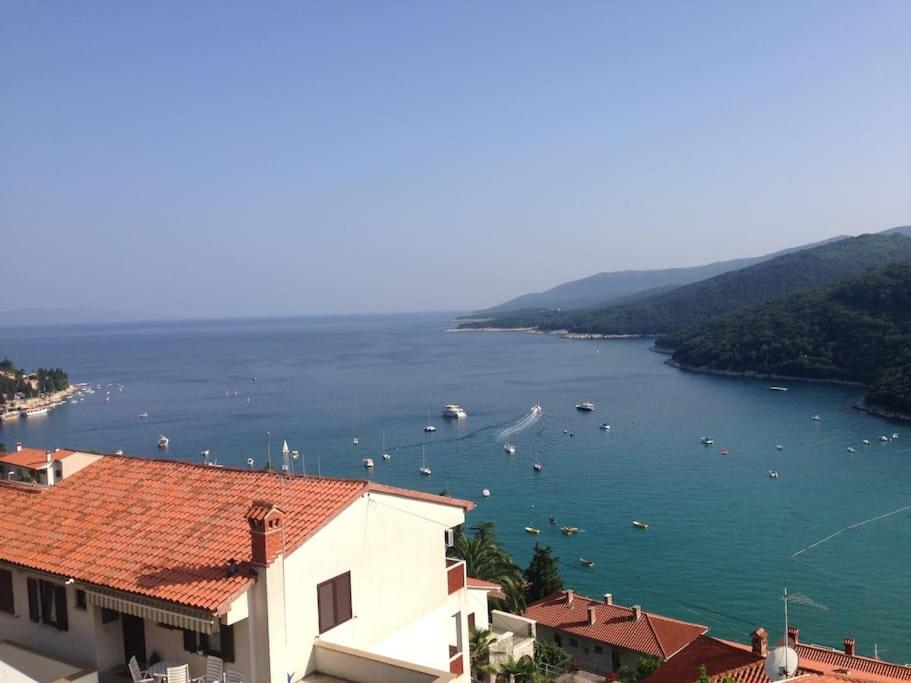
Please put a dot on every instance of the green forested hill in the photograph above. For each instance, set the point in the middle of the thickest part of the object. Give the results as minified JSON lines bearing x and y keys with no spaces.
{"x":667,"y":311}
{"x":858,"y":330}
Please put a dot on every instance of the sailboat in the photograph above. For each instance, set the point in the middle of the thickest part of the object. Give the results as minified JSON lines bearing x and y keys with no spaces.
{"x":424,"y":470}
{"x":386,"y":456}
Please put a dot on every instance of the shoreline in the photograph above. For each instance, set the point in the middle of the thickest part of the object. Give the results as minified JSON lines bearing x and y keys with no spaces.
{"x":759,"y":375}
{"x":563,"y":334}
{"x":886,"y":413}
{"x":46,"y":401}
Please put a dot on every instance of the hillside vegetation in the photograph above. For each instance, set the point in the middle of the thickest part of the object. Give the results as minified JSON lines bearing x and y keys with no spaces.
{"x":691,"y":304}
{"x":858,"y":330}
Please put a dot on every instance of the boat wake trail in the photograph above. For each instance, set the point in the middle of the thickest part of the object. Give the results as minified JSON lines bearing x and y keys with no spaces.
{"x":523,"y":422}
{"x":848,"y":528}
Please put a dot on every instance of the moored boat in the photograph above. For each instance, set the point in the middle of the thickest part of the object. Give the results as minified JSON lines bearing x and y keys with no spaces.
{"x":485,"y":493}
{"x":586,"y":407}
{"x":454,"y":411}
{"x":569,"y":530}
{"x":367,"y":462}
{"x":32,"y":412}
{"x":640,"y":525}
{"x":532,"y":530}
{"x":509,"y":448}
{"x":707,"y":440}
{"x":537,"y":467}
{"x":778,"y":388}
{"x":773,"y":474}
{"x":163,"y":441}
{"x":605,"y":426}
{"x":586,"y":563}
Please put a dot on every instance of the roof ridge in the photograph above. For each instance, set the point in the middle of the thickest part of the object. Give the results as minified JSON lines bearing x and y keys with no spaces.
{"x":657,"y":638}
{"x":835,"y":651}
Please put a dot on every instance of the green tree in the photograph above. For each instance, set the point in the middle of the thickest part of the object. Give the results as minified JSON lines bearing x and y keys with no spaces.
{"x":484,"y":559}
{"x":549,"y":655}
{"x":703,"y":676}
{"x":479,"y":643}
{"x":542,"y":575}
{"x":646,"y":665}
{"x":522,"y":670}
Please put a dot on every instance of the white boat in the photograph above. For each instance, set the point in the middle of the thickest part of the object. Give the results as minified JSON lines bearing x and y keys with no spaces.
{"x":537,"y":467}
{"x":586,"y":563}
{"x":779,"y":447}
{"x":386,"y":456}
{"x":10,"y":415}
{"x":485,"y":493}
{"x":429,"y":427}
{"x":144,"y":415}
{"x":163,"y":441}
{"x":851,"y":449}
{"x":640,"y":525}
{"x":455,"y":411}
{"x":424,"y":470}
{"x":354,"y":441}
{"x":707,"y":440}
{"x":586,"y":407}
{"x":778,"y":388}
{"x":865,"y":442}
{"x":884,"y":438}
{"x":536,"y":408}
{"x":894,"y":435}
{"x":509,"y":448}
{"x":532,"y":530}
{"x":605,"y":426}
{"x":816,"y":418}
{"x":119,"y":451}
{"x":773,"y":474}
{"x":32,"y":412}
{"x":367,"y":462}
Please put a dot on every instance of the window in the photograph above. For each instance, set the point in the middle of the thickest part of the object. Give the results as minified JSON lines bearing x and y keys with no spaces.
{"x":80,"y":599}
{"x":573,"y":642}
{"x":6,"y":591}
{"x":220,"y":644}
{"x":558,"y":639}
{"x":333,"y":600}
{"x":47,"y":603}
{"x":615,"y":659}
{"x":599,"y":650}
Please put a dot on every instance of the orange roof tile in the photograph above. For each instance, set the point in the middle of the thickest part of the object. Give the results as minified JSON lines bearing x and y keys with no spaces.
{"x":616,"y":625}
{"x":166,"y":529}
{"x":32,"y":458}
{"x":482,"y":584}
{"x":829,"y":661}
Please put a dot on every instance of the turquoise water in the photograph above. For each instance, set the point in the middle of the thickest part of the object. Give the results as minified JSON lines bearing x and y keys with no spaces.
{"x":719,"y":547}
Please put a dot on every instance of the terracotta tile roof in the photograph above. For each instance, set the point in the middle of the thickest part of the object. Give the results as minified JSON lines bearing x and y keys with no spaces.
{"x":165,"y":529}
{"x":817,"y":664}
{"x":616,"y":625}
{"x":32,"y":458}
{"x":482,"y":584}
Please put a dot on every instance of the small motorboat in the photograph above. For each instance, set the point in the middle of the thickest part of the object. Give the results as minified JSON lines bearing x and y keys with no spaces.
{"x":865,"y":442}
{"x":537,"y":467}
{"x":367,"y":462}
{"x":429,"y":428}
{"x":509,"y":448}
{"x":605,"y":426}
{"x":640,"y":525}
{"x":773,"y":474}
{"x":894,"y":435}
{"x":566,"y":431}
{"x":724,"y":451}
{"x":144,"y":416}
{"x":779,"y":447}
{"x":851,"y":449}
{"x":532,"y":530}
{"x":485,"y":493}
{"x":586,"y":407}
{"x":552,"y":519}
{"x":569,"y":530}
{"x":707,"y":440}
{"x":119,"y":451}
{"x":884,"y":438}
{"x":586,"y":563}
{"x":571,"y":434}
{"x":536,"y":408}
{"x":778,"y":388}
{"x":355,"y":441}
{"x":204,"y":453}
{"x":816,"y":418}
{"x":386,"y":456}
{"x":163,"y":441}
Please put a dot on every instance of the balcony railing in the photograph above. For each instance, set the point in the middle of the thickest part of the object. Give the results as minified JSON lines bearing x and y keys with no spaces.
{"x":358,"y":666}
{"x":455,"y":574}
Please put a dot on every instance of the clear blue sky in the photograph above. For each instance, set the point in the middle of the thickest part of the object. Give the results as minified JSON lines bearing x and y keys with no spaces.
{"x":230,"y":158}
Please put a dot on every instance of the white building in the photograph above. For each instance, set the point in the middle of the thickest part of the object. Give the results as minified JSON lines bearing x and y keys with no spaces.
{"x":286,"y":578}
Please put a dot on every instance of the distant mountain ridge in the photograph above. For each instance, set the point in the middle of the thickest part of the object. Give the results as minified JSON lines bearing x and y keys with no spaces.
{"x":694,"y":303}
{"x":604,"y":288}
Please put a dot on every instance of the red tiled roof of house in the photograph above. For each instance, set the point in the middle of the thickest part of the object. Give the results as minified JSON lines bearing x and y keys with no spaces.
{"x":166,"y":529}
{"x":481,"y":583}
{"x":32,"y":458}
{"x":616,"y":625}
{"x":826,"y":660}
{"x":716,"y":655}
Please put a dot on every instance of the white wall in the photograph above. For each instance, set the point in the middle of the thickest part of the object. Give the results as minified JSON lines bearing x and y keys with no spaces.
{"x":76,"y":461}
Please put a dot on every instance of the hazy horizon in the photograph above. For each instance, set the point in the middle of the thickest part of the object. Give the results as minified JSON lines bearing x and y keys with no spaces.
{"x":211,"y":160}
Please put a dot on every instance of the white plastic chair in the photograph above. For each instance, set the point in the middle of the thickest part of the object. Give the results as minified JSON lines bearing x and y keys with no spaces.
{"x":215,"y":671}
{"x":179,"y":674}
{"x":137,"y":674}
{"x":234,"y":677}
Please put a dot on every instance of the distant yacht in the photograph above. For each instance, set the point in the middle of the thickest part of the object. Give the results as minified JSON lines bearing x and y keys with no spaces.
{"x":605,"y":426}
{"x":851,"y":449}
{"x":778,"y":388}
{"x":532,"y":530}
{"x":537,"y":467}
{"x":509,"y":448}
{"x":816,"y":418}
{"x":884,"y":438}
{"x":355,"y":441}
{"x":707,"y":440}
{"x":865,"y":442}
{"x":163,"y":441}
{"x":368,"y":463}
{"x":773,"y":474}
{"x":454,"y":411}
{"x":144,"y":415}
{"x":779,"y":447}
{"x":586,"y":407}
{"x":485,"y":493}
{"x":639,"y":525}
{"x":424,"y":470}
{"x":32,"y":412}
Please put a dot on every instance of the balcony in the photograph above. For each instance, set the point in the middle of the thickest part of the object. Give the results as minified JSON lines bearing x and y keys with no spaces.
{"x":338,"y":663}
{"x":515,"y":637}
{"x":455,"y":574}
{"x":25,"y":665}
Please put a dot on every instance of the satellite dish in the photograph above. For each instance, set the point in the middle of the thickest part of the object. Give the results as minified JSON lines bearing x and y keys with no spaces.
{"x":250,"y":462}
{"x":781,"y":663}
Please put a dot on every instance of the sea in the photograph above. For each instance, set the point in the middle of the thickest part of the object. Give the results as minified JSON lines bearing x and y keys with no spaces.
{"x":724,"y":539}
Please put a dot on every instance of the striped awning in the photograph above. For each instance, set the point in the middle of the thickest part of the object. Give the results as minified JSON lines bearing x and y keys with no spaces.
{"x":155,"y":610}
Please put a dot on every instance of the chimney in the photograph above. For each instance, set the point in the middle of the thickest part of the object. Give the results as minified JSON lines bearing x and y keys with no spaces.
{"x":18,"y":446}
{"x":569,"y":597}
{"x":591,"y":615}
{"x":794,"y":634}
{"x":849,"y":647}
{"x":760,"y":641}
{"x":608,"y":598}
{"x":48,"y":456}
{"x":265,"y":522}
{"x":637,"y":612}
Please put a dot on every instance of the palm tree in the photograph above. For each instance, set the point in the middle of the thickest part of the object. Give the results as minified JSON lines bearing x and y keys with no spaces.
{"x":520,"y":671}
{"x":479,"y":643}
{"x":485,"y":560}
